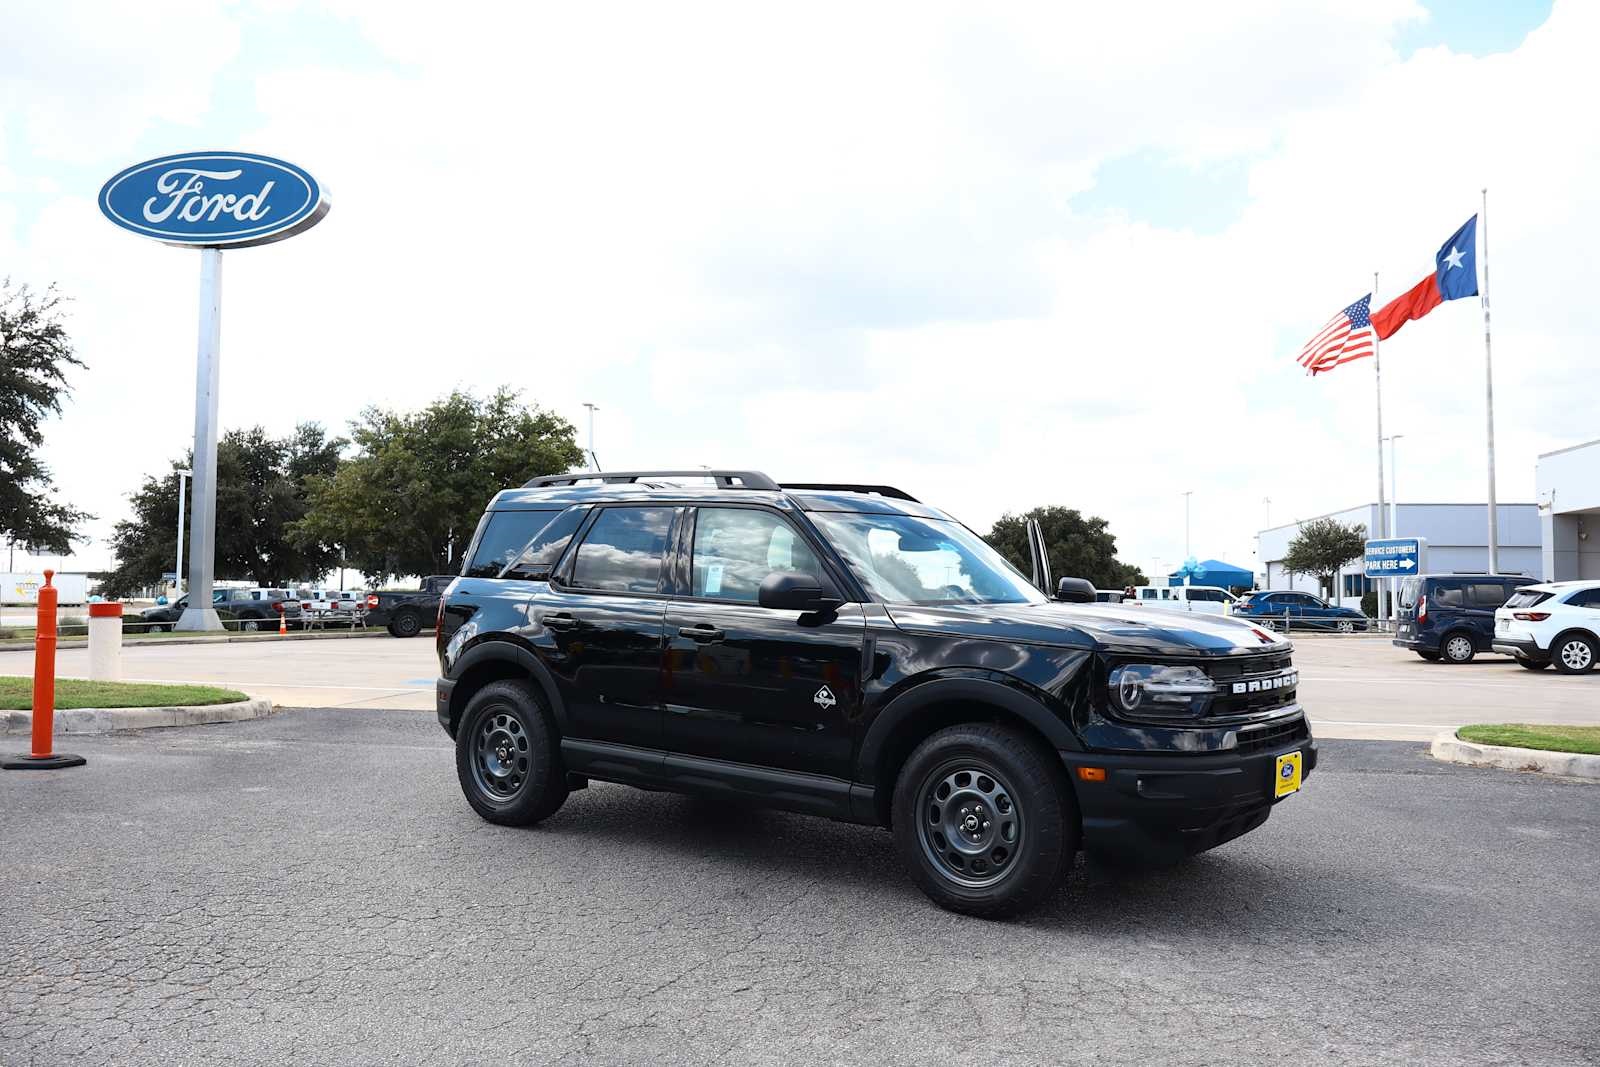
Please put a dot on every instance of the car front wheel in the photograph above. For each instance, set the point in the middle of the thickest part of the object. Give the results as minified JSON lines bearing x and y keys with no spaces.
{"x":1533,"y":665}
{"x":508,"y":758}
{"x":1347,"y":626}
{"x":1457,"y":648}
{"x":984,"y":819}
{"x":1574,"y":654}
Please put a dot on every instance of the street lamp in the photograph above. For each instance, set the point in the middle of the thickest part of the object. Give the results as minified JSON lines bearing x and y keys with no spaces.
{"x":183,"y":495}
{"x":1394,"y":498}
{"x":594,"y":464}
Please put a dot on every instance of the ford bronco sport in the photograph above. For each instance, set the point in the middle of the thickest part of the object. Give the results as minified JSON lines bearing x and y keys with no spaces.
{"x":847,"y":651}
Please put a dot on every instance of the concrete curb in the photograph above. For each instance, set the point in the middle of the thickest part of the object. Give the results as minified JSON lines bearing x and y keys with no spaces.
{"x":1450,"y":748}
{"x":110,"y":720}
{"x":162,"y":642}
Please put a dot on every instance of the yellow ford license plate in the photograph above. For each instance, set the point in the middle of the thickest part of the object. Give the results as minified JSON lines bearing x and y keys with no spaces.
{"x":1287,"y":780}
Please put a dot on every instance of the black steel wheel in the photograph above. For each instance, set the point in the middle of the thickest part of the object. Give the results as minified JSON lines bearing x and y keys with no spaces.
{"x":985,"y":819}
{"x":508,"y":758}
{"x":406,"y":623}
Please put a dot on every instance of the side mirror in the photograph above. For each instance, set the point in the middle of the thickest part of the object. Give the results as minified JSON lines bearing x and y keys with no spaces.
{"x":1075,"y":591}
{"x":796,"y":592}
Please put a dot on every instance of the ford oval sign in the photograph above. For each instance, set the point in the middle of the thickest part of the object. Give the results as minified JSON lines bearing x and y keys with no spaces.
{"x":214,"y":199}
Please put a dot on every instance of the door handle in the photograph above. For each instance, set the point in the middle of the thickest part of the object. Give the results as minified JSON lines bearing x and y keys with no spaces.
{"x":702,"y":633}
{"x":563,"y":621}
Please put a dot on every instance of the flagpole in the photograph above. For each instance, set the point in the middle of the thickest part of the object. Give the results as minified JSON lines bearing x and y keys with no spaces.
{"x":1377,"y":381}
{"x":1488,"y":393}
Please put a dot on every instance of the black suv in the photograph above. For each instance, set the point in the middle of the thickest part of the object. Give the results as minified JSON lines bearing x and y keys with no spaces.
{"x":846,"y":651}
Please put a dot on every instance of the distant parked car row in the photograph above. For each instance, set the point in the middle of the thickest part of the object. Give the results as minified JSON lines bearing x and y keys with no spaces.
{"x":1453,"y":617}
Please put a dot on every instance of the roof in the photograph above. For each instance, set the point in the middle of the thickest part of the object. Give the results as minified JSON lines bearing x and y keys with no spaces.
{"x":664,"y":487}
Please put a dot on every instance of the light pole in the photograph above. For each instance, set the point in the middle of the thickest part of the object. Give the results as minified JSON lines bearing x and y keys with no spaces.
{"x":182,"y":497}
{"x":1394,"y":497}
{"x":594,"y":463}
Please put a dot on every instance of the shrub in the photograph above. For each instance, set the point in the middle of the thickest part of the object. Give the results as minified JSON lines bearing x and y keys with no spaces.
{"x":1369,"y":604}
{"x":72,"y":626}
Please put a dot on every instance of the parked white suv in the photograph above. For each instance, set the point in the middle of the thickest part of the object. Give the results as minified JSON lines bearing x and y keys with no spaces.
{"x":1555,"y":622}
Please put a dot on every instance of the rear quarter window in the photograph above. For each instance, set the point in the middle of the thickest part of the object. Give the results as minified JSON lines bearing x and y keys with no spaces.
{"x":1527,"y":598}
{"x":501,"y":540}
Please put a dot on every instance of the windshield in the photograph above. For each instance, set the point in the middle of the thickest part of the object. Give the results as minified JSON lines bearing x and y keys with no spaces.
{"x":906,"y":560}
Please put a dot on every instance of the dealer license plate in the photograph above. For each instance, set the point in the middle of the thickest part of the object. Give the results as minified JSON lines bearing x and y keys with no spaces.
{"x":1287,"y":780}
{"x":1502,"y":624}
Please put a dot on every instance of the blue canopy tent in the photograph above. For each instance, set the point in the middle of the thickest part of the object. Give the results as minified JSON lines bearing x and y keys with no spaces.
{"x":1218,"y":573}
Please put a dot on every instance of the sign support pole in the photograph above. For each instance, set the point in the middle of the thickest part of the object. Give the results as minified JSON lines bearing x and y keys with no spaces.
{"x":200,"y":615}
{"x":1488,"y":393}
{"x":1377,"y":381}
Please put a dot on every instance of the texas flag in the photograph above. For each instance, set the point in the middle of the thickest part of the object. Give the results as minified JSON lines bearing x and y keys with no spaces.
{"x":1455,"y":275}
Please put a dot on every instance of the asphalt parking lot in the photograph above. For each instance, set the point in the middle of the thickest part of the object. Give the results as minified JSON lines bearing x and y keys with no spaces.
{"x":312,"y":889}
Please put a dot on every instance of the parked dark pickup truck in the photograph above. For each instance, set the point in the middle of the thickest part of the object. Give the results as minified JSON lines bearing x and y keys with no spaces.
{"x":407,"y":611}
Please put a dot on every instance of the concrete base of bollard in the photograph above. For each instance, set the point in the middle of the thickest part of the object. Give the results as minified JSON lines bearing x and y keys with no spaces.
{"x":105,"y":642}
{"x":42,"y":763}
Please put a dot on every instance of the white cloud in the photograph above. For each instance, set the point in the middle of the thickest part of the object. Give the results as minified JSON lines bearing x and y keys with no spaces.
{"x":842,"y":243}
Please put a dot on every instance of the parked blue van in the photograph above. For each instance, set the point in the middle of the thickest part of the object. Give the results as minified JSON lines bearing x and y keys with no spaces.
{"x":1451,"y":616}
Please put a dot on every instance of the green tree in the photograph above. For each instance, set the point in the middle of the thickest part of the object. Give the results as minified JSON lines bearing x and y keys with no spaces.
{"x":1322,"y":547}
{"x":35,"y":353}
{"x":1078,"y":547}
{"x":262,"y":482}
{"x":409,"y":500}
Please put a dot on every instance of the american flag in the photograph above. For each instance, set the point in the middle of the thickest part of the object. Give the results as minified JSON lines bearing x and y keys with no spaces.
{"x":1348,"y":335}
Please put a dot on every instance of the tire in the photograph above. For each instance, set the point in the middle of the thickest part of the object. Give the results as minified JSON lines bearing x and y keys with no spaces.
{"x":1347,"y":626}
{"x":250,"y":625}
{"x":1457,"y":647}
{"x":985,"y":782}
{"x":406,"y":623}
{"x":1532,"y":665}
{"x":1431,"y":657}
{"x":1574,"y":653}
{"x":508,"y":758}
{"x":1268,"y":624}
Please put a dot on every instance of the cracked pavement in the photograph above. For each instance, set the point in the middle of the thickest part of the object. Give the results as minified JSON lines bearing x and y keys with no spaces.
{"x":312,"y":889}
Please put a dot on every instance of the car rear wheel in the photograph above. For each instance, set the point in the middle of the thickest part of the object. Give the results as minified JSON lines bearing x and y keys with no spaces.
{"x":1457,"y":648}
{"x":250,"y":625}
{"x":1268,"y":624}
{"x":1431,"y":657}
{"x":1574,"y":653}
{"x":984,"y":819}
{"x":508,"y":758}
{"x":406,"y":623}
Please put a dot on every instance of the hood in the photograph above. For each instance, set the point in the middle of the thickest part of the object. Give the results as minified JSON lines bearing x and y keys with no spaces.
{"x":1102,"y":627}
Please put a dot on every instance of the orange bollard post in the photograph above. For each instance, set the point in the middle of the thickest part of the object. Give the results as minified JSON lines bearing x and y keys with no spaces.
{"x":44,"y":691}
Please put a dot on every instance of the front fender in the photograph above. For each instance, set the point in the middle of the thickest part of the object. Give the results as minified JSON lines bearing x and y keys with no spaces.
{"x":967,"y":686}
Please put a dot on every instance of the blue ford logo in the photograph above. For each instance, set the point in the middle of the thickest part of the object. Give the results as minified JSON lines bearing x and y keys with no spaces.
{"x":1287,"y":772}
{"x":221,"y":199}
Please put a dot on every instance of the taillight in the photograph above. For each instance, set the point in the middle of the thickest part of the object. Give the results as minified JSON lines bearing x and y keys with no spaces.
{"x":438,"y":619}
{"x":1531,"y":616}
{"x":372,"y":601}
{"x":1422,"y":609}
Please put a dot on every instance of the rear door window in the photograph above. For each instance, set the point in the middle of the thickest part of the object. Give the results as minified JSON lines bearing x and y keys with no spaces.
{"x":1450,"y":595}
{"x":1487,"y":595}
{"x":501,"y":541}
{"x":623,"y":551}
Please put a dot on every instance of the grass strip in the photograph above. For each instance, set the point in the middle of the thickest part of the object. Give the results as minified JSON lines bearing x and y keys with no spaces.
{"x":1584,"y":740}
{"x":16,"y":694}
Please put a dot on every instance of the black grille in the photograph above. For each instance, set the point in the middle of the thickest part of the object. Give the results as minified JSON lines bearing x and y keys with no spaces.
{"x":1226,"y":672}
{"x":1274,"y":735}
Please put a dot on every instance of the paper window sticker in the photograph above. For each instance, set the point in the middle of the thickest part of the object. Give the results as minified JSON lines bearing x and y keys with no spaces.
{"x":713,"y":579}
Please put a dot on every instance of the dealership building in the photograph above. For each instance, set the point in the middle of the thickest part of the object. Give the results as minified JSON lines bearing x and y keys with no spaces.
{"x":1557,"y":539}
{"x":1569,"y":512}
{"x":1457,"y":536}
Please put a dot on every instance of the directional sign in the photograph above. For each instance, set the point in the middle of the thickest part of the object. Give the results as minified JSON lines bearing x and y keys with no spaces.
{"x":1396,"y":557}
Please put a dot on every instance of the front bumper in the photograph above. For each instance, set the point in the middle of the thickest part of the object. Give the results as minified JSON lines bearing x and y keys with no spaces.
{"x":1522,"y":648}
{"x":1164,"y":807}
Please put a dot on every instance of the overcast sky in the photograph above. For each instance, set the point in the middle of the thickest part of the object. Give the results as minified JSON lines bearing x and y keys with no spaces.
{"x":1062,"y":257}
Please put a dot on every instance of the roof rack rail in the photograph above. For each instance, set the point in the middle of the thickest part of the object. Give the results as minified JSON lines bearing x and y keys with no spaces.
{"x":850,"y":487}
{"x":725,"y":479}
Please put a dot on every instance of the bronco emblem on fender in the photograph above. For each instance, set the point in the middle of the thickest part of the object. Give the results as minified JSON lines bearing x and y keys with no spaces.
{"x":825,"y":698}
